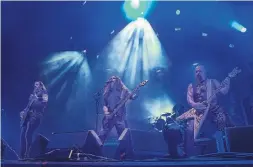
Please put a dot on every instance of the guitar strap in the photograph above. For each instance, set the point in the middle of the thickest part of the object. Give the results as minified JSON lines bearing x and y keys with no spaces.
{"x":194,"y":90}
{"x":123,"y":94}
{"x":209,"y":89}
{"x":208,"y":94}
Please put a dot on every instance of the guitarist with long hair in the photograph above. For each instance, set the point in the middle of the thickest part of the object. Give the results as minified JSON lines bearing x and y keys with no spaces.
{"x":31,"y":117}
{"x":217,"y":119}
{"x":114,"y":92}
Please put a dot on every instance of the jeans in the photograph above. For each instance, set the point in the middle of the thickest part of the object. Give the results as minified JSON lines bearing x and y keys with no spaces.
{"x":26,"y":136}
{"x":118,"y":122}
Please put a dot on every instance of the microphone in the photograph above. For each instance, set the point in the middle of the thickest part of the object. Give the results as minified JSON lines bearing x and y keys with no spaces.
{"x":100,"y":92}
{"x":97,"y":93}
{"x":108,"y":81}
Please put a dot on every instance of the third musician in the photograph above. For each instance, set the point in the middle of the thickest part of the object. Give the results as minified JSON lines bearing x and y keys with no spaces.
{"x":217,"y":118}
{"x":31,"y":117}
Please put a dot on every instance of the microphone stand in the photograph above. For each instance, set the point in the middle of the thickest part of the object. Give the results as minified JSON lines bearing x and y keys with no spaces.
{"x":97,"y":97}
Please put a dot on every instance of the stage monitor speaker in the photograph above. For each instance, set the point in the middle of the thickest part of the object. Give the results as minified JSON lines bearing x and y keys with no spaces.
{"x":239,"y":139}
{"x":93,"y":144}
{"x":3,"y":146}
{"x":7,"y":152}
{"x":85,"y":142}
{"x":39,"y":146}
{"x":137,"y":144}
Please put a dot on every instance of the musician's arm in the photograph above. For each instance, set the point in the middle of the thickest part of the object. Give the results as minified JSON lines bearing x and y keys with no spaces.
{"x":226,"y":85}
{"x":105,"y":106}
{"x":21,"y":114}
{"x":127,"y":92}
{"x":190,"y":99}
{"x":43,"y":98}
{"x":134,"y":96}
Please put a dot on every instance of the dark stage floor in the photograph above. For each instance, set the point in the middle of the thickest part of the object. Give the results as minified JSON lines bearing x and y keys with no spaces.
{"x":205,"y":162}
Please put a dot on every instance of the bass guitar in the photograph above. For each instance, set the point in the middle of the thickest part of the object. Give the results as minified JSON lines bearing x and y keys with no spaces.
{"x":110,"y":115}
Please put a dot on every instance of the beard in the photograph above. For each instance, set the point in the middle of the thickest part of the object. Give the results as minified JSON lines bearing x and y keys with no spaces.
{"x":201,"y":78}
{"x":115,"y":86}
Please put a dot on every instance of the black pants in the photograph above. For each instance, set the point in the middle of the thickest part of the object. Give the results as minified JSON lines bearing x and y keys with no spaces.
{"x":26,"y":136}
{"x":118,"y":122}
{"x":173,"y":137}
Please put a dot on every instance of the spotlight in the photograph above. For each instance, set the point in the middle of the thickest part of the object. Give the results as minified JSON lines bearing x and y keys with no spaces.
{"x":178,"y":12}
{"x":136,"y":8}
{"x":177,"y":29}
{"x":238,"y":26}
{"x":195,"y":64}
{"x":243,"y":29}
{"x":204,"y":34}
{"x":140,"y":22}
{"x":231,"y":46}
{"x":135,"y":4}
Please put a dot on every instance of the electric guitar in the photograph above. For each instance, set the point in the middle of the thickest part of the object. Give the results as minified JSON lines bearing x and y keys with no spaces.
{"x":110,"y":115}
{"x":25,"y":115}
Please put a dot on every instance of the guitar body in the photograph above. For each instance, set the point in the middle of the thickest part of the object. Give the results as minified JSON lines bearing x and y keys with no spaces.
{"x":192,"y":114}
{"x":199,"y":120}
{"x":109,"y":116}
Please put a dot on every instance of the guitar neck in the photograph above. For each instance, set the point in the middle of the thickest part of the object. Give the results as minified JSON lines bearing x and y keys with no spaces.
{"x":121,"y":103}
{"x":218,"y":89}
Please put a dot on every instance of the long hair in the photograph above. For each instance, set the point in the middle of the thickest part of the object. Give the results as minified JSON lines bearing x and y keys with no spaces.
{"x":117,"y":84}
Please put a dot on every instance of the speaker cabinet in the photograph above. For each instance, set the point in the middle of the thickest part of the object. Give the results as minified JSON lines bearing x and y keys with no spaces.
{"x":3,"y":146}
{"x":39,"y":146}
{"x":239,"y":139}
{"x":137,"y":144}
{"x":85,"y":142}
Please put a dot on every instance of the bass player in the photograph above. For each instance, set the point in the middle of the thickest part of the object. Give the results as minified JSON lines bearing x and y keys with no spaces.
{"x":114,"y":92}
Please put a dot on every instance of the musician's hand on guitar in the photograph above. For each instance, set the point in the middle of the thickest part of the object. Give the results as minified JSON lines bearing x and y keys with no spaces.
{"x":32,"y":96}
{"x":226,"y":81}
{"x":133,"y":97}
{"x":106,"y":110}
{"x":22,"y":114}
{"x":199,"y":106}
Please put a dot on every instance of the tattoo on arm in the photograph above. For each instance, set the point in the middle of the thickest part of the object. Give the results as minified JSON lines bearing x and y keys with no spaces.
{"x":223,"y":90}
{"x":190,"y":99}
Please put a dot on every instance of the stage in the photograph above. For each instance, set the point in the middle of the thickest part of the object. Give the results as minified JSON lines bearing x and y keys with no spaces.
{"x":197,"y":161}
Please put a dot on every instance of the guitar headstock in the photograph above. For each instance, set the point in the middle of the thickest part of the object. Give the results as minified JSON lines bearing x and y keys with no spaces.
{"x":143,"y":83}
{"x":234,"y":72}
